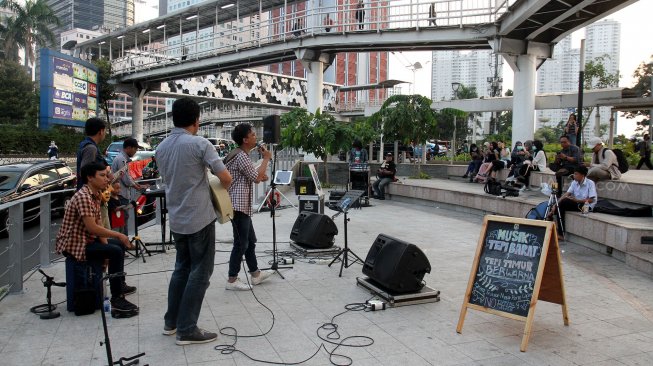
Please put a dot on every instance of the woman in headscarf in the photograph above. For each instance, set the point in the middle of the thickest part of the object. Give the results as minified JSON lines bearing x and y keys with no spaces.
{"x":53,"y":151}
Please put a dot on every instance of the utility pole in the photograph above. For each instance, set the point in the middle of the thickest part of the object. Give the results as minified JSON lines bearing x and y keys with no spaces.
{"x":495,"y":84}
{"x":581,"y":79}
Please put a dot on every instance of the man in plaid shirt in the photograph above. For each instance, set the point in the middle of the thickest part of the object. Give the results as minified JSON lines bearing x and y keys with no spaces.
{"x":83,"y":237}
{"x":244,"y":174}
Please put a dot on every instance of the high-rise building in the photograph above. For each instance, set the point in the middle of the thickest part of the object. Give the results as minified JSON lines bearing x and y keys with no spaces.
{"x":560,"y":74}
{"x":4,"y":14}
{"x":475,"y":69}
{"x":92,"y":14}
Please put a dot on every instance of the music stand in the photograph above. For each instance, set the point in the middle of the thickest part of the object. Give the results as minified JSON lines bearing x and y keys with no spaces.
{"x":347,"y":201}
{"x":280,"y":177}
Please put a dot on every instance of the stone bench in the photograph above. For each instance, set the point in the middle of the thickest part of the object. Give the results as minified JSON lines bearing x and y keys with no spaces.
{"x":459,"y":170}
{"x":617,"y":236}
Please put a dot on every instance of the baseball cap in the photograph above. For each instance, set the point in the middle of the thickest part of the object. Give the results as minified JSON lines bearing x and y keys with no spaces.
{"x":130,"y":142}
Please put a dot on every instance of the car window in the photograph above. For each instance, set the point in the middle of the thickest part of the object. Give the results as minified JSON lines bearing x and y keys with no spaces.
{"x":49,"y":175}
{"x":115,"y":148}
{"x":64,"y":171}
{"x":33,"y":180}
{"x":8,"y":180}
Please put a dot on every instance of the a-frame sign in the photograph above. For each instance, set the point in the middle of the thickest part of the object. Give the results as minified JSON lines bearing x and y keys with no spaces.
{"x":517,"y":263}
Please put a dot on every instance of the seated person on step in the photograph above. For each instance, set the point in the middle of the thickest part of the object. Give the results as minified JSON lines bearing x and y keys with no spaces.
{"x":566,"y":161}
{"x":605,"y":165}
{"x":385,"y":175}
{"x":581,"y":192}
{"x":83,"y":237}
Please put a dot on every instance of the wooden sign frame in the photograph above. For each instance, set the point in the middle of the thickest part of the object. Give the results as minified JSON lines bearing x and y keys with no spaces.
{"x":549,"y":284}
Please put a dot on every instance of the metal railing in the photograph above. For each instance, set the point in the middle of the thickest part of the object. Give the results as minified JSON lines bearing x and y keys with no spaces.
{"x":379,"y":16}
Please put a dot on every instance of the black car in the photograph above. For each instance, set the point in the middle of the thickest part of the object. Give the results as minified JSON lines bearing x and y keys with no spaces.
{"x":25,"y":179}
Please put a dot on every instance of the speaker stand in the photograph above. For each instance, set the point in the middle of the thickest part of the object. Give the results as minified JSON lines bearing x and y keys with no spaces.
{"x":345,"y":252}
{"x":273,"y":188}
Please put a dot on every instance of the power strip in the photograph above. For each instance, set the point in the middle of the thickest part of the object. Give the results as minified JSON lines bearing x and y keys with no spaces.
{"x":375,"y":305}
{"x":288,"y":260}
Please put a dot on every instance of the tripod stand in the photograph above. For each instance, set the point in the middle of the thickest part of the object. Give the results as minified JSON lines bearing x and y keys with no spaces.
{"x":46,"y":311}
{"x":554,"y":202}
{"x":139,"y":246}
{"x":343,"y":207}
{"x":133,"y":360}
{"x":272,"y":197}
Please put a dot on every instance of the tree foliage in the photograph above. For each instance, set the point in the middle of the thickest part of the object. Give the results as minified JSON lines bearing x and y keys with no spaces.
{"x":106,"y":90}
{"x":406,"y":118}
{"x":18,"y":100}
{"x":26,"y":139}
{"x":642,"y":88}
{"x":29,"y":27}
{"x":596,"y":77}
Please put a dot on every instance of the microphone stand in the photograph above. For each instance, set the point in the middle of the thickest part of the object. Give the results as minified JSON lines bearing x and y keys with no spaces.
{"x":273,"y":186}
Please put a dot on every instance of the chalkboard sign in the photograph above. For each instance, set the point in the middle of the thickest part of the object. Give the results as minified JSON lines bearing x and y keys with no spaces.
{"x":517,"y":263}
{"x":507,"y":267}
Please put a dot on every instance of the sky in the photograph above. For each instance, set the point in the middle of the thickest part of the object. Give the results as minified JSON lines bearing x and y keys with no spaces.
{"x":636,"y":47}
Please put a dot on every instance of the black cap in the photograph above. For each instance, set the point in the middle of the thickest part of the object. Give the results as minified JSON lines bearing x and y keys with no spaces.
{"x":389,"y":154}
{"x":130,"y":142}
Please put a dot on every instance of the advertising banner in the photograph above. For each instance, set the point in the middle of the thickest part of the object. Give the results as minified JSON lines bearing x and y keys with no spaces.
{"x":63,"y":82}
{"x":92,"y":89}
{"x":92,"y":76}
{"x":63,"y":111}
{"x":80,"y":86}
{"x":92,"y":104}
{"x":80,"y":72}
{"x":79,"y":100}
{"x":62,"y":97}
{"x":80,"y":114}
{"x":63,"y":67}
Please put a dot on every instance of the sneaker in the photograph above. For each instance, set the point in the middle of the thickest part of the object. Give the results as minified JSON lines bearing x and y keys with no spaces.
{"x":128,"y":290}
{"x":510,"y":179}
{"x":465,"y":176}
{"x":262,"y":276}
{"x":169,"y":330}
{"x":237,"y":286}
{"x":198,"y":336}
{"x":121,"y":304}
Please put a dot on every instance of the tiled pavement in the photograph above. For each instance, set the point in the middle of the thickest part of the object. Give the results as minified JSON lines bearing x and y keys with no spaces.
{"x":610,"y":308}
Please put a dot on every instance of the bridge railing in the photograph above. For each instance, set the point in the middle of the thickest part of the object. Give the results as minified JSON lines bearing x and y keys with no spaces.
{"x":249,"y":32}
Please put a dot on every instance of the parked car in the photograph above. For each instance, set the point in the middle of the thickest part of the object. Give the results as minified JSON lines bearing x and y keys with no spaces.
{"x":21,"y":180}
{"x":115,"y":148}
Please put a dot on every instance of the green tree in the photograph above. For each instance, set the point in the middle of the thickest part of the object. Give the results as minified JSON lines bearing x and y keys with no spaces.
{"x":30,"y":27}
{"x":596,"y":77}
{"x":406,"y":118}
{"x":106,"y":90}
{"x":17,"y":95}
{"x":547,"y":134}
{"x":642,"y":88}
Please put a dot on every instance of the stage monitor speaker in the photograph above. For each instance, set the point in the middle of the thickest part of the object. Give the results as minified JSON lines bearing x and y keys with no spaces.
{"x":271,"y":129}
{"x":314,"y":231}
{"x":397,"y":266}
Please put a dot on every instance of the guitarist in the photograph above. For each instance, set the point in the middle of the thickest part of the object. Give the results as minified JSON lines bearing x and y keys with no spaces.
{"x":129,"y":148}
{"x":183,"y":158}
{"x":242,"y":170}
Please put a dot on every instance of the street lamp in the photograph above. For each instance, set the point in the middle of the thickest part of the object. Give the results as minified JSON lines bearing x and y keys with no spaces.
{"x":455,"y":86}
{"x":414,"y":67}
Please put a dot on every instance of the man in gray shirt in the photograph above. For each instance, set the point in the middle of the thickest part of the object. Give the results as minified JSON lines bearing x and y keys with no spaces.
{"x":183,"y":159}
{"x":129,"y":148}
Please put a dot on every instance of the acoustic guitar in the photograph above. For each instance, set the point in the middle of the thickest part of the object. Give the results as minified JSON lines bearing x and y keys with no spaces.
{"x":106,"y":194}
{"x":220,"y":199}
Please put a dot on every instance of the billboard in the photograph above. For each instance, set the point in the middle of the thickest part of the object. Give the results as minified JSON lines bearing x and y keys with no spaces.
{"x":68,"y":90}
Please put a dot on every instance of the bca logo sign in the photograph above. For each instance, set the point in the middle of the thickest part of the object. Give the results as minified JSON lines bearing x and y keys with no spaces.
{"x":80,"y":86}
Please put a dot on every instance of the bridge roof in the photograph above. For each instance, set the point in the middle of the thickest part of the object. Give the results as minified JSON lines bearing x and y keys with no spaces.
{"x":177,"y":21}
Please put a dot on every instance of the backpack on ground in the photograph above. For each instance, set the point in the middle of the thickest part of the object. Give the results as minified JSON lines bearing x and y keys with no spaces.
{"x":621,"y":159}
{"x":538,"y":212}
{"x":492,"y":187}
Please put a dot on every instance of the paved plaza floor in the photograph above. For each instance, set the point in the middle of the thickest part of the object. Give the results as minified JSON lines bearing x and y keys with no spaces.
{"x":610,"y":307}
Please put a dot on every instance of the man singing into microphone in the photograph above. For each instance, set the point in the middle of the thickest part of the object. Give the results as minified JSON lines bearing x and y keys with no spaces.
{"x":244,"y":174}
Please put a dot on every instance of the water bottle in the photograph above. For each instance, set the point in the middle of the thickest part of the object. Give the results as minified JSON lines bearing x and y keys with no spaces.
{"x":586,"y":207}
{"x":106,"y":307}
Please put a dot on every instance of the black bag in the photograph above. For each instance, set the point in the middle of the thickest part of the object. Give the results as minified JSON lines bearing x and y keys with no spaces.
{"x":493,"y":187}
{"x":85,"y":301}
{"x":621,"y":159}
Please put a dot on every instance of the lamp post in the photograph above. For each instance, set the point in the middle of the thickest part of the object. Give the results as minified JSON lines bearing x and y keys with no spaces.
{"x":414,"y":67}
{"x":455,"y":86}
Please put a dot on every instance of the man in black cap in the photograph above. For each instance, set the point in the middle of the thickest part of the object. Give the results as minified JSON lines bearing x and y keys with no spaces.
{"x":384,"y":175}
{"x":129,"y":148}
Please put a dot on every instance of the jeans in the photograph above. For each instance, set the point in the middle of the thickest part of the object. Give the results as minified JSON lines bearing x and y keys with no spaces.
{"x":564,"y":206}
{"x":379,"y":186}
{"x":244,"y":244}
{"x":189,"y":281}
{"x":115,"y":253}
{"x":646,"y":159}
{"x":572,"y":138}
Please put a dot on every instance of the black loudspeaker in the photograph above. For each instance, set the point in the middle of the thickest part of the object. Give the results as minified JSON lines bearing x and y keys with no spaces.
{"x":395,"y":265}
{"x":313,"y":230}
{"x":271,"y":129}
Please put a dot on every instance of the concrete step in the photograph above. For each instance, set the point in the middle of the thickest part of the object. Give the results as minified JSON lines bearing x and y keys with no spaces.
{"x":614,"y":235}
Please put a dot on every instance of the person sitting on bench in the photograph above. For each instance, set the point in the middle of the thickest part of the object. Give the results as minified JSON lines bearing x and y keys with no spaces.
{"x":581,"y":192}
{"x":83,"y":237}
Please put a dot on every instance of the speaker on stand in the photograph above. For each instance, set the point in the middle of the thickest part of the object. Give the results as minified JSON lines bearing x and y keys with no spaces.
{"x":272,"y":129}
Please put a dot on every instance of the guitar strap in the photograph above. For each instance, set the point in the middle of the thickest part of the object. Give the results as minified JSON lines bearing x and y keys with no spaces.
{"x":232,"y":154}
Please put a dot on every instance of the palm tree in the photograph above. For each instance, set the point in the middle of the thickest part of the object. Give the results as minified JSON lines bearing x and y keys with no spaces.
{"x":28,"y":28}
